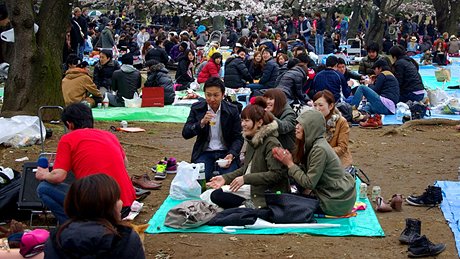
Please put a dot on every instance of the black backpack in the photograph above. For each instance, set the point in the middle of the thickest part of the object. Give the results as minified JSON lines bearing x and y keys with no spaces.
{"x":9,"y":194}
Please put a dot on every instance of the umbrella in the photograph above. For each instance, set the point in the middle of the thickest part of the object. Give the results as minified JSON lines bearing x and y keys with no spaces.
{"x":94,"y":13}
{"x":262,"y":224}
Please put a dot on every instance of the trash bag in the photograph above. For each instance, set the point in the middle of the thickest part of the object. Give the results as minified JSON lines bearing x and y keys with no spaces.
{"x":136,"y":102}
{"x":185,"y":185}
{"x":20,"y":131}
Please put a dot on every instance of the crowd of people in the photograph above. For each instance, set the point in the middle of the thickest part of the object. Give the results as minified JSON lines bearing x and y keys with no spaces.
{"x":266,"y":145}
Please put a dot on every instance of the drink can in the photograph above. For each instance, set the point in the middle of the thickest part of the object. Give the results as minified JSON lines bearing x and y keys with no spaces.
{"x":376,"y":191}
{"x":363,"y":191}
{"x":124,"y":124}
{"x":99,"y":105}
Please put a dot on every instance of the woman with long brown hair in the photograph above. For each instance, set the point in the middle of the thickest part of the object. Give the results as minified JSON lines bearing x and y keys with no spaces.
{"x":337,"y":129}
{"x":95,"y":229}
{"x":316,"y":167}
{"x":256,"y":65}
{"x":260,"y":171}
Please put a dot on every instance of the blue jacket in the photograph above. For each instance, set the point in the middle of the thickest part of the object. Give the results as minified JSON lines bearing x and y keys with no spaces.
{"x":331,"y":80}
{"x":270,"y":73}
{"x":387,"y":85}
{"x":230,"y":125}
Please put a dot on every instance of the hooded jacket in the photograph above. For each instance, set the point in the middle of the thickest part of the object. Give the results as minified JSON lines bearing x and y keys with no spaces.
{"x":236,"y":73}
{"x":77,"y":85}
{"x":209,"y":70}
{"x":107,"y":41}
{"x":291,"y":83}
{"x":321,"y":170}
{"x":266,"y":173}
{"x":90,"y":240}
{"x":158,"y":76}
{"x":102,"y":74}
{"x":159,"y":54}
{"x":406,"y":71}
{"x":126,"y":81}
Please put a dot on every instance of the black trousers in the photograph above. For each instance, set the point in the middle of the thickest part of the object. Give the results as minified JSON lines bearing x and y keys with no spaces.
{"x":226,"y":200}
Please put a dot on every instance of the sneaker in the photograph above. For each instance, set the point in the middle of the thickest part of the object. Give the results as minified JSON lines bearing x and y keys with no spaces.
{"x":421,"y":247}
{"x":430,"y":198}
{"x":160,"y":170}
{"x":171,"y":166}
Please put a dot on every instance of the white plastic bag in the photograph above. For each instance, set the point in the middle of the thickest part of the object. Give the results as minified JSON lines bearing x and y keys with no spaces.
{"x":20,"y":131}
{"x":136,"y":102}
{"x":185,"y":185}
{"x":437,"y":96}
{"x":195,"y":85}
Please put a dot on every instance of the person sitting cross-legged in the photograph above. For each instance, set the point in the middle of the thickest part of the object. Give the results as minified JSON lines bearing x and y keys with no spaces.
{"x":216,"y":125}
{"x":125,"y":81}
{"x":83,"y":151}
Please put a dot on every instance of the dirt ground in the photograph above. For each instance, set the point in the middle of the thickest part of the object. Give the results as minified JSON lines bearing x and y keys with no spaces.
{"x":403,"y":163}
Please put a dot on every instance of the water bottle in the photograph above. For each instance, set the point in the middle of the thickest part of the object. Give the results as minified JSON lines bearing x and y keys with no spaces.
{"x":105,"y":101}
{"x":399,"y":114}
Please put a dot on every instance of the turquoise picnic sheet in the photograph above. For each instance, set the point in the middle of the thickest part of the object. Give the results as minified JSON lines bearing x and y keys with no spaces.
{"x":450,"y":207}
{"x":364,"y":224}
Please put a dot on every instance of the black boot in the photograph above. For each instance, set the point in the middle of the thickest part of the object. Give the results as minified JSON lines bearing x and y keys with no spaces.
{"x":421,"y":247}
{"x":412,"y":230}
{"x":431,"y":197}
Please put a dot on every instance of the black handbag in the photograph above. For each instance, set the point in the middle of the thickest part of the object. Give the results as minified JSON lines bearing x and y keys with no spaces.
{"x":290,"y":208}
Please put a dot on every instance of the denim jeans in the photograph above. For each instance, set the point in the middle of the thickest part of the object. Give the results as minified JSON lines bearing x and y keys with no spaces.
{"x":209,"y":159}
{"x":114,"y":101}
{"x":52,"y":196}
{"x":81,"y":50}
{"x":319,"y":44}
{"x":373,"y":105}
{"x":411,"y":97}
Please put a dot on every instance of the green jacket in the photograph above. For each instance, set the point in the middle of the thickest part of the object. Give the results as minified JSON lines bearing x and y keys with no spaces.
{"x":266,"y":173}
{"x":286,"y":127}
{"x":365,"y":65}
{"x":321,"y":170}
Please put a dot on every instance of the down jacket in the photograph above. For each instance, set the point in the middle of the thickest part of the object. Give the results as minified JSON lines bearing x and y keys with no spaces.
{"x":236,"y":73}
{"x":291,"y":83}
{"x":269,"y":74}
{"x":209,"y":70}
{"x":406,"y":71}
{"x":158,"y":76}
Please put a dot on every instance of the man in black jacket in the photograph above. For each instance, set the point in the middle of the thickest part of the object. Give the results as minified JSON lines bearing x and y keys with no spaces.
{"x":217,"y":127}
{"x":293,"y":81}
{"x":158,"y":53}
{"x":236,"y":73}
{"x":125,"y":82}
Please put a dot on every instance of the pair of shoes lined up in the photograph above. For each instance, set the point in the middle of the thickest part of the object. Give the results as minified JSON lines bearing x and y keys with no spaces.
{"x":395,"y":203}
{"x":163,"y":167}
{"x":430,"y":198}
{"x":419,"y":246}
{"x":373,"y":122}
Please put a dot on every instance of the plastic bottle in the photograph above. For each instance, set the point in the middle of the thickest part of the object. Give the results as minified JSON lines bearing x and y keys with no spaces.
{"x":105,"y":101}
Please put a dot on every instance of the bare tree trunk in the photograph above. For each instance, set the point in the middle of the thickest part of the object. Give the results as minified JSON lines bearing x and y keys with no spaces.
{"x":355,"y":19}
{"x":376,"y":24}
{"x":442,"y":13}
{"x":35,"y":71}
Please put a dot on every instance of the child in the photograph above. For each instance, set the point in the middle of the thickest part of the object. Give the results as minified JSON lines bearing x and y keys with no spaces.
{"x":426,"y":59}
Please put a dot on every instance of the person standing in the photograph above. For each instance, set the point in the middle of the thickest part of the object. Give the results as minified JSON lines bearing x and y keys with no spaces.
{"x":320,"y":29}
{"x":305,"y":27}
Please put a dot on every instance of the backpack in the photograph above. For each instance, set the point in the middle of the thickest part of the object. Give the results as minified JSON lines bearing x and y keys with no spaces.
{"x":418,"y":110}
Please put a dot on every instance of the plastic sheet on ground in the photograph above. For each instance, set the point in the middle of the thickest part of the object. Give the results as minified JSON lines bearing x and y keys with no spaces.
{"x":167,"y":113}
{"x":364,"y":224}
{"x":450,"y":207}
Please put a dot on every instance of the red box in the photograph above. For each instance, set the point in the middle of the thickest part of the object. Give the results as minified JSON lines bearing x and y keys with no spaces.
{"x":153,"y":97}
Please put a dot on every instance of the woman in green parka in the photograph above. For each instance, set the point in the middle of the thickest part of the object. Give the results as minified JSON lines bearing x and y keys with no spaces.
{"x":317,"y":168}
{"x":260,"y":172}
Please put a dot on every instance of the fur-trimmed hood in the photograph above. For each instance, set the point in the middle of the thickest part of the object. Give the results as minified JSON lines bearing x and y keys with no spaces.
{"x":270,"y":129}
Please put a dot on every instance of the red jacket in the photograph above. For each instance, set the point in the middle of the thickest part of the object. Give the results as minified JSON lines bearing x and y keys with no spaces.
{"x":209,"y":70}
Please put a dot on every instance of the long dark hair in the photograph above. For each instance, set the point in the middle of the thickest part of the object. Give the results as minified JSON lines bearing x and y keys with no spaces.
{"x":280,"y":100}
{"x":93,"y":198}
